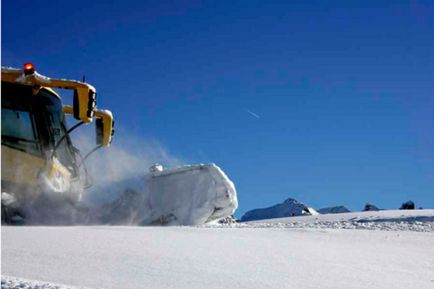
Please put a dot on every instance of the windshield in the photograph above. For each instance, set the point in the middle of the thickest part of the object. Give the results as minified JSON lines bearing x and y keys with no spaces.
{"x":18,"y":125}
{"x":34,"y":123}
{"x":49,"y":112}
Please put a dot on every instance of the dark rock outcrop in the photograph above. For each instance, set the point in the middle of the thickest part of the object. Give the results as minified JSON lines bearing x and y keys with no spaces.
{"x":370,"y":207}
{"x":334,"y":210}
{"x":409,"y":205}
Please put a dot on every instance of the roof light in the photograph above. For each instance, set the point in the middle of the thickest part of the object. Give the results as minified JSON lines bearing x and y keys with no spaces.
{"x":29,"y":69}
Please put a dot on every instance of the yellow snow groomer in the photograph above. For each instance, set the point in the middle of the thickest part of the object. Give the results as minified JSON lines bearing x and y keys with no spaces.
{"x":37,"y":154}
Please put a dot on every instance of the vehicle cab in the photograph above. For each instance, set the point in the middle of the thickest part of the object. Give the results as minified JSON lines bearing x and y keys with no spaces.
{"x":37,"y":152}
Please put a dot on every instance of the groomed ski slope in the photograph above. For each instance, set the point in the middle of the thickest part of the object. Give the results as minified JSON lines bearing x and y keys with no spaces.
{"x":243,"y":256}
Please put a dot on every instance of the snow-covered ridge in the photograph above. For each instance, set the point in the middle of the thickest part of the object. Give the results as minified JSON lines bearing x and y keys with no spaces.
{"x":294,"y":208}
{"x":394,"y":215}
{"x":386,"y":220}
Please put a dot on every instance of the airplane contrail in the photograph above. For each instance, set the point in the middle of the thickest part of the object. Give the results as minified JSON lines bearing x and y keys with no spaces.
{"x":252,"y":113}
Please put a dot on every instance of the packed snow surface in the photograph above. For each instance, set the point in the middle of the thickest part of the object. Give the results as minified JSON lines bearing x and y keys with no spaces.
{"x":263,"y":254}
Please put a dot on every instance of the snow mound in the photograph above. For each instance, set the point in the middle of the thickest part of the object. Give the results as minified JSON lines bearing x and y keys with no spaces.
{"x":188,"y":195}
{"x":290,"y":207}
{"x":19,"y":283}
{"x":334,"y":210}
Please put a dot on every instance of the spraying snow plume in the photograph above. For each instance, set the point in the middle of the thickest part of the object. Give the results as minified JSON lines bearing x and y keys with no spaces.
{"x":129,"y":189}
{"x":126,"y":160}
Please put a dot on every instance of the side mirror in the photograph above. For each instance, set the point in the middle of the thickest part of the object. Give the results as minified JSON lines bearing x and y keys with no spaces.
{"x":104,"y":124}
{"x":84,"y":103}
{"x":104,"y":127}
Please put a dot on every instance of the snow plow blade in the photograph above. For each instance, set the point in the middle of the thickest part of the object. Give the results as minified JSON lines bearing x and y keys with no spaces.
{"x":188,"y":195}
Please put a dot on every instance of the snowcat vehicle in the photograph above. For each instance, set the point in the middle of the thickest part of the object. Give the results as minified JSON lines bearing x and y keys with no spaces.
{"x":40,"y":167}
{"x":44,"y":175}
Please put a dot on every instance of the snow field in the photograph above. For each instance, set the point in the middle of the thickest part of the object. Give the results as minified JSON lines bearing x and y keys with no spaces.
{"x":192,"y":257}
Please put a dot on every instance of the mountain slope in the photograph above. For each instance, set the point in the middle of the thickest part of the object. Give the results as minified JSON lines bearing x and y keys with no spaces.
{"x":334,"y":210}
{"x":290,"y":207}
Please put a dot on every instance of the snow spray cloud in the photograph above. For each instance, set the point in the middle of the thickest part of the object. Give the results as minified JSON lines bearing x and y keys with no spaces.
{"x":113,"y":170}
{"x":121,"y":165}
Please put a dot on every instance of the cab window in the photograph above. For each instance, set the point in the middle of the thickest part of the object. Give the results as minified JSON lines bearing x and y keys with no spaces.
{"x":49,"y":109}
{"x":17,"y":124}
{"x":34,"y":123}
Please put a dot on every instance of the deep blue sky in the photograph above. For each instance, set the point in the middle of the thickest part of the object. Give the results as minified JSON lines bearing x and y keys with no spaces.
{"x":344,"y":90}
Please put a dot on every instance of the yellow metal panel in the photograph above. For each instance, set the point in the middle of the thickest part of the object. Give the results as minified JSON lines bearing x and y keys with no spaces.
{"x":67,"y":109}
{"x":85,"y":93}
{"x":23,"y":168}
{"x":107,"y":118}
{"x":10,"y":76}
{"x":19,"y":167}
